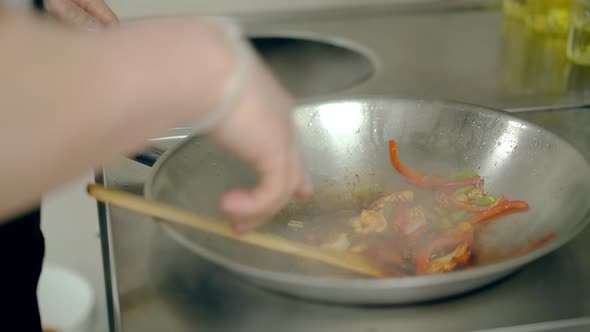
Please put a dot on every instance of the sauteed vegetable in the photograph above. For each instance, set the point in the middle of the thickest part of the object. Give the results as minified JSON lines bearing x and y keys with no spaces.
{"x":404,"y":236}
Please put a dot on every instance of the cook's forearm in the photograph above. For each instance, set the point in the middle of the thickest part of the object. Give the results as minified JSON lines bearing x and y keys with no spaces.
{"x":73,"y":101}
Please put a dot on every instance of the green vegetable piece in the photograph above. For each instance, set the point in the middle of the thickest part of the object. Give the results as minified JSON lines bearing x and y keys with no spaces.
{"x":459,"y":215}
{"x":430,"y":216}
{"x":484,"y":201}
{"x":446,"y":223}
{"x":463,"y":190}
{"x":295,"y":224}
{"x":463,"y":175}
{"x":440,"y":212}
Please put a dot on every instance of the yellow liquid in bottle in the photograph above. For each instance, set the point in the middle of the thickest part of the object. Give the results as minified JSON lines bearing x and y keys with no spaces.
{"x":531,"y":63}
{"x":515,"y":8}
{"x":550,"y":17}
{"x":578,"y":45}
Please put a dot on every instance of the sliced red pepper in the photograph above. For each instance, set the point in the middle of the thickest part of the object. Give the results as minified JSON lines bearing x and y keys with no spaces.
{"x":463,"y":259}
{"x":422,"y":262}
{"x":470,"y":208}
{"x":499,"y":201}
{"x":537,"y":243}
{"x":419,"y":182}
{"x":501,"y":209}
{"x":408,"y":173}
{"x":422,"y":180}
{"x":498,"y":257}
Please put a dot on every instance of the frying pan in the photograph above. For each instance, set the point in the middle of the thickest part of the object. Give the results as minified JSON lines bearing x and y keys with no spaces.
{"x":346,"y":153}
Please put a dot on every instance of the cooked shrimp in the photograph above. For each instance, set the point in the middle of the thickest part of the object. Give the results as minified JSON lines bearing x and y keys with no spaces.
{"x":339,"y":242}
{"x":449,"y":261}
{"x":369,"y":222}
{"x":475,"y":193}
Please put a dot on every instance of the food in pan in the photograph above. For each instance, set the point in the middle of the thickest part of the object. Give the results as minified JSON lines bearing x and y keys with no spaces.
{"x":437,"y":233}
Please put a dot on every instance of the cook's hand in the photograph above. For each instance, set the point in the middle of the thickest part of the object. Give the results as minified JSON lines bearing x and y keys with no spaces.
{"x":90,"y":14}
{"x":174,"y":71}
{"x":258,"y":128}
{"x":260,"y":131}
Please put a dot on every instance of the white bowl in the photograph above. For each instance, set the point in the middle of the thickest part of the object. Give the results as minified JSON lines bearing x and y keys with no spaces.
{"x":66,"y":300}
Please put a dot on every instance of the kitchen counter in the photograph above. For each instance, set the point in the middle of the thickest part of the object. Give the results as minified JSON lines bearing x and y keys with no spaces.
{"x":470,"y":55}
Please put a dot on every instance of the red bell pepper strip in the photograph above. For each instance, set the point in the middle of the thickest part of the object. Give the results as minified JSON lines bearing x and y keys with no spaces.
{"x":411,"y":175}
{"x":471,"y":208}
{"x":537,"y":243}
{"x":463,"y":259}
{"x":501,"y":209}
{"x":522,"y":250}
{"x":422,"y":180}
{"x":419,"y":182}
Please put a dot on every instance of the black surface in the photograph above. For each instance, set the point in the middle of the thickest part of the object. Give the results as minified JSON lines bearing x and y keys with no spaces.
{"x":22,"y":249}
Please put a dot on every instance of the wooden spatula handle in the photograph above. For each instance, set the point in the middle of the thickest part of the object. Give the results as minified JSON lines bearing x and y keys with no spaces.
{"x":180,"y":216}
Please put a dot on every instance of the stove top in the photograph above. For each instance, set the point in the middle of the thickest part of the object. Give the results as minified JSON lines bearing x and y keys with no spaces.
{"x":550,"y":294}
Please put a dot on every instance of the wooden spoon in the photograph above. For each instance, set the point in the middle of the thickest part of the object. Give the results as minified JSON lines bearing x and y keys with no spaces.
{"x":352,"y":262}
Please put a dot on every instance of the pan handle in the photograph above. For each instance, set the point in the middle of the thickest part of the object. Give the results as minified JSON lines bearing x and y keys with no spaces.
{"x":148,"y":157}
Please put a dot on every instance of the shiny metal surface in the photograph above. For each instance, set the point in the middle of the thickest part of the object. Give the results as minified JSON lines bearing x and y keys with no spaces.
{"x":213,"y":300}
{"x":474,"y":56}
{"x":418,"y":55}
{"x":307,"y":68}
{"x":547,"y":295}
{"x":345,"y":148}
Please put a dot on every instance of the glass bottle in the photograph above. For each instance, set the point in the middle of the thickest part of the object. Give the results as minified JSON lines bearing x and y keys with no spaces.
{"x":515,"y":9}
{"x":551,"y":17}
{"x":578,"y":44}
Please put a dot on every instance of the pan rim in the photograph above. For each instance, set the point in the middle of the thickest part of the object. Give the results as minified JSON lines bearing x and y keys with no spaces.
{"x":511,"y":264}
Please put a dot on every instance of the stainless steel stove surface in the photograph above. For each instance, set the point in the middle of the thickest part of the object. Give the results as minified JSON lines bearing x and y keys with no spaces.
{"x":459,"y":54}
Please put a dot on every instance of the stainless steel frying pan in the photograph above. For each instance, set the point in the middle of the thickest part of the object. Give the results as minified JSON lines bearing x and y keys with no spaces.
{"x":345,"y":148}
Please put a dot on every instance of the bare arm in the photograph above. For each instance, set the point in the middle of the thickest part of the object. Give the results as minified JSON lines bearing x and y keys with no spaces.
{"x":71,"y":101}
